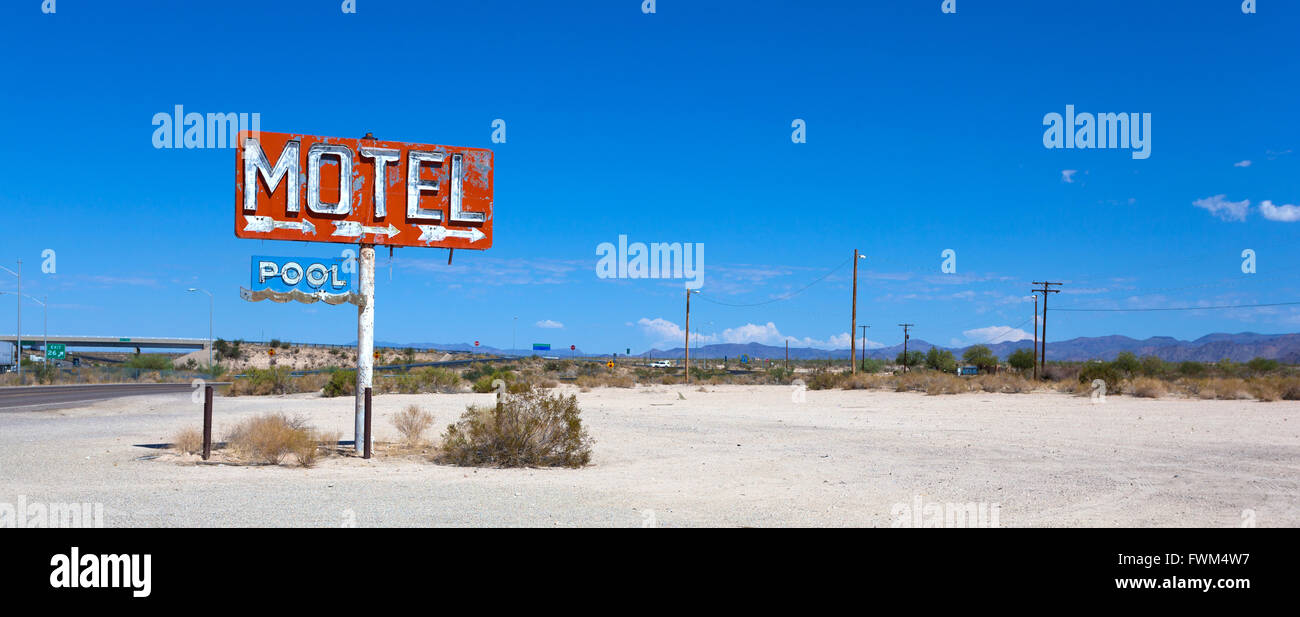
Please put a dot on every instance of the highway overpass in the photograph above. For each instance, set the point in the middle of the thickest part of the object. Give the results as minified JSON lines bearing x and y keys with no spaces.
{"x":99,"y":342}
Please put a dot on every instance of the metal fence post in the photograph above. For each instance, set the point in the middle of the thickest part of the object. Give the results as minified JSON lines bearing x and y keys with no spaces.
{"x":368,"y":415}
{"x":207,"y":422}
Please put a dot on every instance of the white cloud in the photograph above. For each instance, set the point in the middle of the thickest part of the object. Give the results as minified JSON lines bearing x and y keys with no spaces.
{"x":666,"y":333}
{"x":547,"y":323}
{"x":994,"y":334}
{"x":1219,"y":206}
{"x":1245,"y":163}
{"x":1283,"y":214}
{"x":1067,"y":175}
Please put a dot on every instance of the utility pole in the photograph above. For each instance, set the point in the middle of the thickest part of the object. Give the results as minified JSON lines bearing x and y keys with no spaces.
{"x":864,"y":346}
{"x":853,"y":324}
{"x":787,"y":354}
{"x":688,"y":334}
{"x":1035,"y":337}
{"x":1047,"y":288}
{"x":905,"y":337}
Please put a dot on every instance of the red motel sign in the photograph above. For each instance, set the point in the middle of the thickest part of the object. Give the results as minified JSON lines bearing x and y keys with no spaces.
{"x":362,"y":191}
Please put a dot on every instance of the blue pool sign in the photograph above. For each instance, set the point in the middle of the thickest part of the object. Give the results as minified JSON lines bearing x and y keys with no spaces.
{"x":306,"y":274}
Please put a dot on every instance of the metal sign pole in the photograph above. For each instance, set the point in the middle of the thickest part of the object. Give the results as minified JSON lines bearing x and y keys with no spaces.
{"x":365,"y":340}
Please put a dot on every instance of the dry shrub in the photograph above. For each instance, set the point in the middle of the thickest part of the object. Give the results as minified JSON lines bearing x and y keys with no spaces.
{"x":606,"y":381}
{"x":311,"y":383}
{"x":1231,"y":389}
{"x":306,"y":447}
{"x":826,"y":380}
{"x":412,"y":422}
{"x":944,"y":383}
{"x":1288,"y":387}
{"x":908,"y":382}
{"x":274,"y":380}
{"x":860,"y":382}
{"x":1148,"y":387}
{"x":1074,"y":387}
{"x":330,"y":441}
{"x":532,"y":429}
{"x":270,"y":438}
{"x":1006,"y":383}
{"x":426,"y":379}
{"x":188,"y":441}
{"x":1264,"y":390}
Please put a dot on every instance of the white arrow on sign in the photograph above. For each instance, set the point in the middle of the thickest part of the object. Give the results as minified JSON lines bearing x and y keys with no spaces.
{"x":263,"y":224}
{"x":352,"y":229}
{"x":437,"y":233}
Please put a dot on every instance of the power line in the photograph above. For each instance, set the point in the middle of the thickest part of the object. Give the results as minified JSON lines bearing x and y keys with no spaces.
{"x":1175,"y":308}
{"x":785,"y":297}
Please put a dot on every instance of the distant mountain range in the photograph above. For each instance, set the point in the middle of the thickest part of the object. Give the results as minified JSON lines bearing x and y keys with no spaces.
{"x":1239,"y":347}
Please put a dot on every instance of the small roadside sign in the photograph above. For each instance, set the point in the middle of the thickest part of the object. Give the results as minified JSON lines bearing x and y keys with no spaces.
{"x":541,"y":346}
{"x":306,"y":274}
{"x":56,"y":351}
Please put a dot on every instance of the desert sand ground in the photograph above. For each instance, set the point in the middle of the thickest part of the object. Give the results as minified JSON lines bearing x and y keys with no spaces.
{"x":728,"y":456}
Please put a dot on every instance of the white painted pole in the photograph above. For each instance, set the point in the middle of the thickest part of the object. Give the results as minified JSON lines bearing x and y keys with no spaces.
{"x":365,"y":338}
{"x":19,"y":343}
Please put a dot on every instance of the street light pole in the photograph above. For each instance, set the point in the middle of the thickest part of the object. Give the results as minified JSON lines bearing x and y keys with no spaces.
{"x":18,"y":336}
{"x":210,"y":341}
{"x":45,"y":315}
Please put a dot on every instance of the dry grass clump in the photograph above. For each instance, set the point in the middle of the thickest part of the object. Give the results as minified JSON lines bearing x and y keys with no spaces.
{"x":910,"y":382}
{"x":532,"y":429}
{"x":330,"y":441}
{"x":606,"y":381}
{"x":271,"y":438}
{"x":826,"y":380}
{"x":1264,"y":390}
{"x":1073,"y":387}
{"x":1006,"y":383}
{"x":864,"y":381}
{"x":1275,"y":387}
{"x":188,"y":441}
{"x":1147,"y":387}
{"x":1231,"y":388}
{"x":306,"y":447}
{"x":412,"y":422}
{"x":259,"y":382}
{"x":421,"y":380}
{"x":944,"y":383}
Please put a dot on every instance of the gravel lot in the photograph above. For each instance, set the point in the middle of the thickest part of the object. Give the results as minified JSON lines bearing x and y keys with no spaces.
{"x":731,"y":456}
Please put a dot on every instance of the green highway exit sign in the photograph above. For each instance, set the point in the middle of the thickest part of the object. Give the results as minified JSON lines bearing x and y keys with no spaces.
{"x":56,"y":351}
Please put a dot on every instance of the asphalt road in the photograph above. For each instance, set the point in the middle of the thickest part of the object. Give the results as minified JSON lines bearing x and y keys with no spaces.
{"x":40,"y":398}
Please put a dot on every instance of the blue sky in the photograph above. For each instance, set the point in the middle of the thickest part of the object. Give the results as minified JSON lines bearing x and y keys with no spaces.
{"x":924,"y":133}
